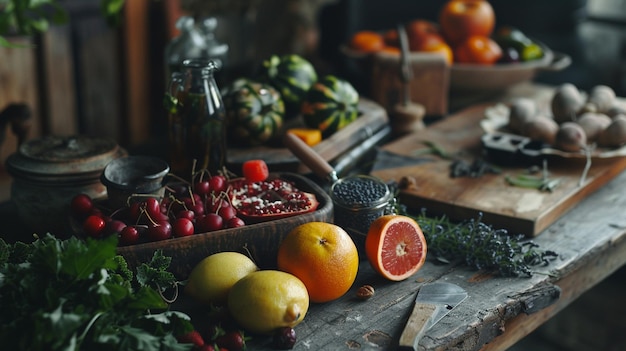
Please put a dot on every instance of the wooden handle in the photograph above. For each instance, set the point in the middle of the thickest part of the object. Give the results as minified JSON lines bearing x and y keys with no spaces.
{"x":414,"y":329}
{"x":309,"y":157}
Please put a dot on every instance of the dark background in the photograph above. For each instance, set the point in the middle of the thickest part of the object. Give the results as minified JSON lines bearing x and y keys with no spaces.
{"x":592,"y":33}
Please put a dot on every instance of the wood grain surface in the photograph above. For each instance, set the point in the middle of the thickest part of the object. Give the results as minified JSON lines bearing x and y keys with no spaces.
{"x":522,"y":210}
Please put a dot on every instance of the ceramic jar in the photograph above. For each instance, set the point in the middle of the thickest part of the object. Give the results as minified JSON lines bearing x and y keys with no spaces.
{"x":48,"y":172}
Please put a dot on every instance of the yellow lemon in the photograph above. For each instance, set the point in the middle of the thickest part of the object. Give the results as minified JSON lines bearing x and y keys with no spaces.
{"x":212,"y":278}
{"x":266,"y":300}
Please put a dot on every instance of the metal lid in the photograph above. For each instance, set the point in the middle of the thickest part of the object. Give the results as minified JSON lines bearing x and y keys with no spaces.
{"x":54,"y":158}
{"x":359,"y":192}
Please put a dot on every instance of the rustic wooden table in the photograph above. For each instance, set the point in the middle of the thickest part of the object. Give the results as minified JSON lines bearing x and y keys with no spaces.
{"x":590,"y":239}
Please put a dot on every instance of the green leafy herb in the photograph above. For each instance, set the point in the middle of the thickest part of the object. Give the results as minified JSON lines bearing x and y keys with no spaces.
{"x":475,"y":243}
{"x":79,"y":295}
{"x":541,"y":182}
{"x":433,"y":148}
{"x":481,"y":246}
{"x":27,"y":17}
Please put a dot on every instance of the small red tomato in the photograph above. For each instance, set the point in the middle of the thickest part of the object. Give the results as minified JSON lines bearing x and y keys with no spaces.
{"x":255,"y":170}
{"x":94,"y":226}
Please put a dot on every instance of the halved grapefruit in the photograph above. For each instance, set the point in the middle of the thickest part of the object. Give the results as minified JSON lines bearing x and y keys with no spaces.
{"x":395,"y":246}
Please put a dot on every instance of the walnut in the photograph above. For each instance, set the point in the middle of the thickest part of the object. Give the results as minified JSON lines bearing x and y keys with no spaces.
{"x":365,"y":292}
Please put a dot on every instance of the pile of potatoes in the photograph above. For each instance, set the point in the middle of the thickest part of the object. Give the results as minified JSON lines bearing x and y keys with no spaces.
{"x":577,"y":119}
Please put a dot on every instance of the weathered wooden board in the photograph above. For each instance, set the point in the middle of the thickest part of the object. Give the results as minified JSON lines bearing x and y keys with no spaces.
{"x":520,"y":210}
{"x":372,"y":118}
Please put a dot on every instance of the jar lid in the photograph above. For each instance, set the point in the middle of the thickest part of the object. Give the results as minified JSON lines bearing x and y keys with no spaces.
{"x":360,"y":192}
{"x":56,"y":158}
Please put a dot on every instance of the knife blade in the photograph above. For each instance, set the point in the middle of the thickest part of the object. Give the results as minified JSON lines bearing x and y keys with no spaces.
{"x":433,"y":302}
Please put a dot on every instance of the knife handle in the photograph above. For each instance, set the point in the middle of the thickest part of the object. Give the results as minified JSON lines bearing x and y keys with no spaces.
{"x":309,"y":157}
{"x":415,"y":326}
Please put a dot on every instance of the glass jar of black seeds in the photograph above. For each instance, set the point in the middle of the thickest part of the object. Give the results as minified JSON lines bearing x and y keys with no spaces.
{"x":359,"y":200}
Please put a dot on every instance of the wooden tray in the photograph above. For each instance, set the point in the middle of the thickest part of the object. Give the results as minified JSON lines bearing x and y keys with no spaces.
{"x":519,"y":210}
{"x":372,"y":118}
{"x":260,"y":240}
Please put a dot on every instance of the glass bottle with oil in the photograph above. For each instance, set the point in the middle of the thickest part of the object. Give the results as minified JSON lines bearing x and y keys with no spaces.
{"x":196,"y":119}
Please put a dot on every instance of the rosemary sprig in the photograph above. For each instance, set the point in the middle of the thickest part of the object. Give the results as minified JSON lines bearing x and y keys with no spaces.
{"x":481,"y":246}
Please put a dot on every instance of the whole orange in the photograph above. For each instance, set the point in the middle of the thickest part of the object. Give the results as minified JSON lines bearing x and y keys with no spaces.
{"x":367,"y":41}
{"x":441,"y":48}
{"x":460,"y":19}
{"x":323,"y":256}
{"x":478,"y":50}
{"x":422,"y":34}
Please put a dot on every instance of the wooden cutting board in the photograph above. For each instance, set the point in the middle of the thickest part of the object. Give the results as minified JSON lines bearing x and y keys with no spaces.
{"x":517,"y":209}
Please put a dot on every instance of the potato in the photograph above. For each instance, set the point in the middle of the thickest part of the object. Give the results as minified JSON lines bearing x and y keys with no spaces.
{"x":566,"y":103}
{"x":521,"y":110}
{"x":541,"y":128}
{"x":602,"y":97}
{"x":616,"y":110}
{"x":593,"y":124}
{"x":570,"y":137}
{"x":615,"y":134}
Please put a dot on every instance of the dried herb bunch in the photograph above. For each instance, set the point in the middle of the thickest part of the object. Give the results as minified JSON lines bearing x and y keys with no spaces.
{"x":481,"y":246}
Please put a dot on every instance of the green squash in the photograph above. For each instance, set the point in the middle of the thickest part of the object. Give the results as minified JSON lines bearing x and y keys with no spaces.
{"x":292,"y":75}
{"x":255,"y":112}
{"x":330,"y":105}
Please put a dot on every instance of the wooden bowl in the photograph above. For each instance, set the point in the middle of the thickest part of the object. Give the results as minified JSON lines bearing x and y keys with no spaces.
{"x":259,"y":240}
{"x":472,"y":79}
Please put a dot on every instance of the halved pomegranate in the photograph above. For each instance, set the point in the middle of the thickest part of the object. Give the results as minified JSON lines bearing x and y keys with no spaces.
{"x":269,"y":199}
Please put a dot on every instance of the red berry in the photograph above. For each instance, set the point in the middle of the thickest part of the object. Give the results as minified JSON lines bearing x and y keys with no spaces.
{"x":153,"y":209}
{"x":232,"y":340}
{"x":218,"y":184}
{"x":192,"y":337}
{"x":202,"y":187}
{"x":227,"y":212}
{"x":182,"y":227}
{"x":284,"y":338}
{"x":160,"y":231}
{"x":94,"y":226}
{"x":129,"y":235}
{"x":255,"y":170}
{"x":81,"y":205}
{"x":215,"y":204}
{"x":235,"y":222}
{"x":190,"y":215}
{"x":113,"y":226}
{"x":198,"y":208}
{"x":210,"y":222}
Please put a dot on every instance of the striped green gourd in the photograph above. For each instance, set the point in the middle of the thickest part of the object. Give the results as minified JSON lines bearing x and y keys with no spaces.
{"x":330,"y":105}
{"x":255,"y":112}
{"x":292,"y":75}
